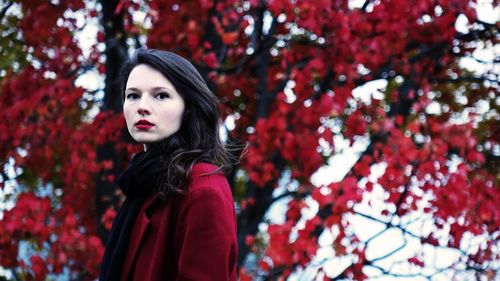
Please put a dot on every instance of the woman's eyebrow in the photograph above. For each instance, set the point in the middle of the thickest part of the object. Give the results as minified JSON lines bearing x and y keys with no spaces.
{"x":153,"y":89}
{"x":132,"y":90}
{"x":161,"y":88}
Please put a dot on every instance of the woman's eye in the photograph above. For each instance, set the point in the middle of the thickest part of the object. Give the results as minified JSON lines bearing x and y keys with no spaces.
{"x":132,"y":96}
{"x":162,"y":96}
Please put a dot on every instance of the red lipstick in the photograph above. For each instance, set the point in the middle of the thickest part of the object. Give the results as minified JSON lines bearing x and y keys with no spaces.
{"x":143,"y":124}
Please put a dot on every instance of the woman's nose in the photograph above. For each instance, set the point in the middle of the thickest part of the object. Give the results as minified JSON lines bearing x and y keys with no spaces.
{"x":143,"y":107}
{"x":142,"y":111}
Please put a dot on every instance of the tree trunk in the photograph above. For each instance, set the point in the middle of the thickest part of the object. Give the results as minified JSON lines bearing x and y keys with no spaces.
{"x":116,"y":53}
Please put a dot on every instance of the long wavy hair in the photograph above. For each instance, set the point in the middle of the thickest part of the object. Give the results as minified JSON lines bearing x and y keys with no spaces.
{"x":198,"y":138}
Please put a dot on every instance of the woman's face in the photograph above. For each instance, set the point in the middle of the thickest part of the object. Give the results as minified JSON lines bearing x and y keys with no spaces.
{"x":153,"y":109}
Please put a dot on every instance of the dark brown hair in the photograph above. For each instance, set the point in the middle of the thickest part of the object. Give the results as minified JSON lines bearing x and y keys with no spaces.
{"x":198,"y":138}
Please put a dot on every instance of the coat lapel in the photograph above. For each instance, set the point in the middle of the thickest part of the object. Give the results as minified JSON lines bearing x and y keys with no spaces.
{"x":138,"y":232}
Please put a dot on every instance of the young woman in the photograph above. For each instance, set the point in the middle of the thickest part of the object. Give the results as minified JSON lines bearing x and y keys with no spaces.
{"x":178,"y":219}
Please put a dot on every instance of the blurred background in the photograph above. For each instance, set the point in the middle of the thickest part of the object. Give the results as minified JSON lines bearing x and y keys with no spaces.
{"x":372,"y":131}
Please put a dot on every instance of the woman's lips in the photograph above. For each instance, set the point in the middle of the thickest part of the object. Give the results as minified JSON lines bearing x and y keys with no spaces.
{"x":143,"y":124}
{"x":143,"y":127}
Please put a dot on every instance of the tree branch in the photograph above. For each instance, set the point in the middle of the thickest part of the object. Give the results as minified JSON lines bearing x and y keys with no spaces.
{"x":386,"y":273}
{"x":389,"y":253}
{"x":464,"y":79}
{"x":365,"y":5}
{"x":389,"y":224}
{"x":376,"y":235}
{"x":4,"y":10}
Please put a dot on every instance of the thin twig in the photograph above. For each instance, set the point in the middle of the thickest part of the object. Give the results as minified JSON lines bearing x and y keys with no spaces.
{"x":390,"y":253}
{"x":4,"y":10}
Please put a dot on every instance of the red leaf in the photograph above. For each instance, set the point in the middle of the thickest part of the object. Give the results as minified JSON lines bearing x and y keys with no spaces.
{"x":228,"y":38}
{"x":416,"y":261}
{"x":119,"y":7}
{"x":211,"y":60}
{"x":38,"y":267}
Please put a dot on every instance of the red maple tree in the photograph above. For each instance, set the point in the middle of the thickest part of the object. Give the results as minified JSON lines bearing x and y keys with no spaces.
{"x":285,"y":72}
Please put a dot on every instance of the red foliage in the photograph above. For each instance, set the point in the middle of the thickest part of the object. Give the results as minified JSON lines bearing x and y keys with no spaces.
{"x":289,"y":88}
{"x":50,"y":144}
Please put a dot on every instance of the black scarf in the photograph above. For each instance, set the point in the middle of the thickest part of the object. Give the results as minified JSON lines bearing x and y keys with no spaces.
{"x":137,"y":182}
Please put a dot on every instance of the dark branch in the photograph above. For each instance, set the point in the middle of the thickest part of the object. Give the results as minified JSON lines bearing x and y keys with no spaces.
{"x":4,"y":10}
{"x":365,"y":5}
{"x":389,"y":253}
{"x":374,"y":219}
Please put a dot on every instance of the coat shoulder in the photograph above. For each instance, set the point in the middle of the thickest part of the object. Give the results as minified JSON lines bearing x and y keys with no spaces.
{"x":205,"y":168}
{"x":207,"y":176}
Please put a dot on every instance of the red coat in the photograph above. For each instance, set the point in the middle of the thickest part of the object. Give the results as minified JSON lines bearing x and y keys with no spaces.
{"x":186,"y":237}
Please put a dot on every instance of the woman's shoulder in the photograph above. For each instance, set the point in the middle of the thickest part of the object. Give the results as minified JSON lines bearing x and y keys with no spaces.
{"x":202,"y":168}
{"x":207,"y":176}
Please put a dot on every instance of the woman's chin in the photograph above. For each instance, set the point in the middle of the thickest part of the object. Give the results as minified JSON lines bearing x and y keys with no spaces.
{"x":145,"y":140}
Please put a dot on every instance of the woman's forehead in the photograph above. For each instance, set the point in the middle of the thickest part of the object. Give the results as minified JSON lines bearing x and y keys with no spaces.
{"x":145,"y":76}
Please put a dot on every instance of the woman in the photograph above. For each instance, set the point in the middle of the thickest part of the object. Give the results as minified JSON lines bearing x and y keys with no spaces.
{"x":178,"y":219}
